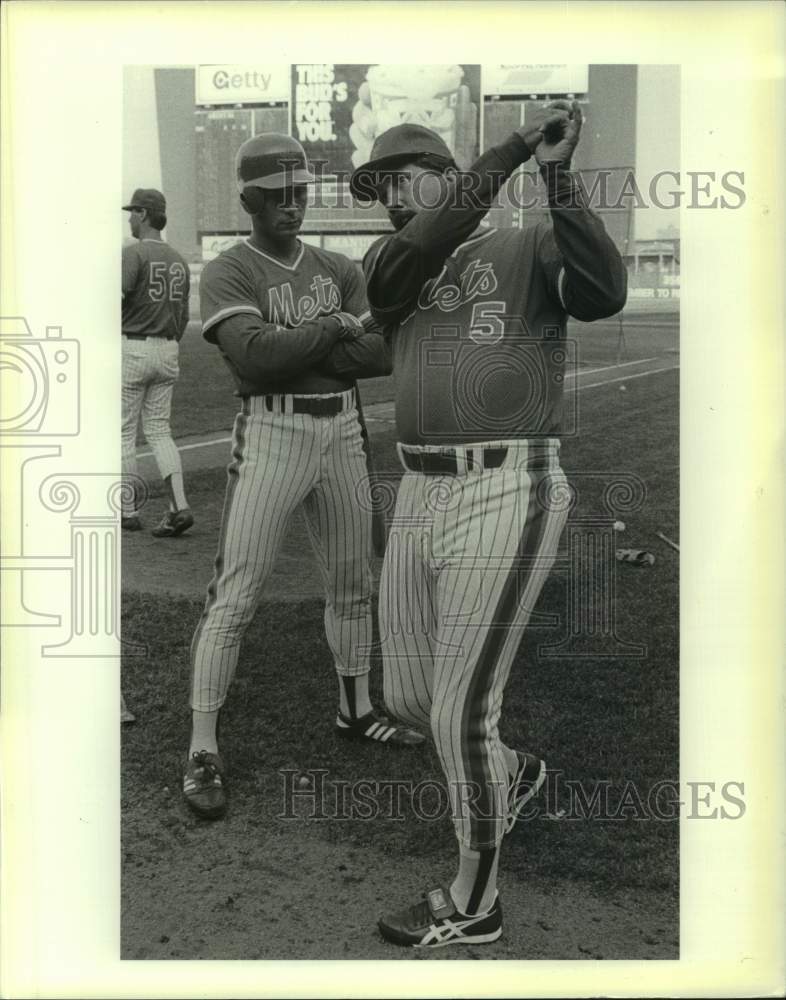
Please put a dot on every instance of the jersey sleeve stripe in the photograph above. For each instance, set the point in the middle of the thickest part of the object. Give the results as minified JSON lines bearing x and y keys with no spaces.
{"x":241,"y":307}
{"x":367,"y":320}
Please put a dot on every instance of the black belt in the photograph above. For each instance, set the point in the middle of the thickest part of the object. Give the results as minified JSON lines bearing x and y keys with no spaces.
{"x":445,"y":463}
{"x":149,"y":336}
{"x":328,"y":407}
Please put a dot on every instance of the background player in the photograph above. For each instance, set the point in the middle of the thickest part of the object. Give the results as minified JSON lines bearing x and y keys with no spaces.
{"x":287,"y":319}
{"x":156,"y":284}
{"x":475,"y":317}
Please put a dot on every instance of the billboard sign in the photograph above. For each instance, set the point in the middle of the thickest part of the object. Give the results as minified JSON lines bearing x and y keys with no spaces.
{"x":531,"y":79}
{"x":339,"y":110}
{"x":228,"y":83}
{"x":214,"y":244}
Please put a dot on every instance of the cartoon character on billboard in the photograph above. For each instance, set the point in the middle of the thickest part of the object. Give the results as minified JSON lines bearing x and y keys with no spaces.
{"x":433,"y":96}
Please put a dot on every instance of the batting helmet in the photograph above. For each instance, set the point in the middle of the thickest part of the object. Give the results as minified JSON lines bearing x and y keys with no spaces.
{"x":396,"y":146}
{"x":271,"y":160}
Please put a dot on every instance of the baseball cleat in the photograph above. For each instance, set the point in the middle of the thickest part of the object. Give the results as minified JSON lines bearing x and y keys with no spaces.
{"x":203,"y":786}
{"x":174,"y":523}
{"x":131,"y":523}
{"x":435,"y":922}
{"x":372,"y":728}
{"x":524,"y":786}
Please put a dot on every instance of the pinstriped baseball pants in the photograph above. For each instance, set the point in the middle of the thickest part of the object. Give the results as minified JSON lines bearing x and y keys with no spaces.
{"x":282,"y":461}
{"x":467,"y":557}
{"x":150,"y":370}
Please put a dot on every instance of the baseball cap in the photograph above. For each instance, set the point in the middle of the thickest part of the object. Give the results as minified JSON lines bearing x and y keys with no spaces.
{"x":272,"y":160}
{"x":394,"y":147}
{"x":147,"y":198}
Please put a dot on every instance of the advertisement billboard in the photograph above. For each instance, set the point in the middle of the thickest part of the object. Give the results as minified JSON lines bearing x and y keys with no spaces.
{"x":534,"y":79}
{"x":339,"y":110}
{"x":229,"y":83}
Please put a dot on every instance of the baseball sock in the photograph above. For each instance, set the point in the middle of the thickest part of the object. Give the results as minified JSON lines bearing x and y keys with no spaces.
{"x":354,"y":701}
{"x":474,"y":887}
{"x":203,"y":732}
{"x":511,"y":759}
{"x":177,"y":493}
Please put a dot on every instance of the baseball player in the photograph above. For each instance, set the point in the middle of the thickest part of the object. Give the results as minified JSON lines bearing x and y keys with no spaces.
{"x":476,"y":318}
{"x":156,"y":284}
{"x":292,"y":324}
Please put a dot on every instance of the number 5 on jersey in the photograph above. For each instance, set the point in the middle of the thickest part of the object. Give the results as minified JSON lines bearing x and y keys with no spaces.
{"x":486,"y":325}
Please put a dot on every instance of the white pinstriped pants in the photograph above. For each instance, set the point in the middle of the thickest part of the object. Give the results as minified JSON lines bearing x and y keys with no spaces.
{"x":467,"y":557}
{"x":150,"y":370}
{"x":281,"y":461}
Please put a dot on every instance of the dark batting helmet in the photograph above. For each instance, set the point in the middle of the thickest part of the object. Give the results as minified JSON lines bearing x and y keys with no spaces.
{"x":271,"y":160}
{"x":398,"y":145}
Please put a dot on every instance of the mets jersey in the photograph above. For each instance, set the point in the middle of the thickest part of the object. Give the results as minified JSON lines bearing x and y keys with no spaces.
{"x":294,"y":304}
{"x":156,"y":284}
{"x":477,"y":318}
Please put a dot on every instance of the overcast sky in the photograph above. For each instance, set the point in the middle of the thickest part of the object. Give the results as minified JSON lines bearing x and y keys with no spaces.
{"x":657,"y":143}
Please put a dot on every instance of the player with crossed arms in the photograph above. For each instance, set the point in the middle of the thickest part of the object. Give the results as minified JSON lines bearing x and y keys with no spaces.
{"x":156,"y":284}
{"x":292,"y":323}
{"x":475,"y":317}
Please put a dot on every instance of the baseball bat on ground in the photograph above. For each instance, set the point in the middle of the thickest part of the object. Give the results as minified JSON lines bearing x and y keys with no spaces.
{"x":668,"y":541}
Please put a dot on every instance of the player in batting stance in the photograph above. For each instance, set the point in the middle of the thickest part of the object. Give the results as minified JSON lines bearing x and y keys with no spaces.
{"x":476,"y":318}
{"x":156,"y":284}
{"x":292,"y":324}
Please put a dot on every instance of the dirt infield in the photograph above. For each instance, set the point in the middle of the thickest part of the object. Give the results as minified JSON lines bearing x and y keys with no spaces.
{"x":273,"y":894}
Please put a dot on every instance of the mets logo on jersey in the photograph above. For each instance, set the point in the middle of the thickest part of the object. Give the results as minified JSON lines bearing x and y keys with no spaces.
{"x":476,"y":279}
{"x":286,"y":310}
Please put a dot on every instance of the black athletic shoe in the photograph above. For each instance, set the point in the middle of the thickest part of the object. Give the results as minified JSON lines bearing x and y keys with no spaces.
{"x":174,"y":523}
{"x":372,"y":728}
{"x":203,"y":785}
{"x":130,"y":523}
{"x":435,"y":922}
{"x":524,"y":787}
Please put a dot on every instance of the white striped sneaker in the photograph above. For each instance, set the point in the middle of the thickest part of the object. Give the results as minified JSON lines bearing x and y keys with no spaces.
{"x":372,"y":728}
{"x":435,"y":922}
{"x":524,"y":787}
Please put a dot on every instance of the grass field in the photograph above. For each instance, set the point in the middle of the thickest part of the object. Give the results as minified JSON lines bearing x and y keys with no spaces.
{"x":608,"y":723}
